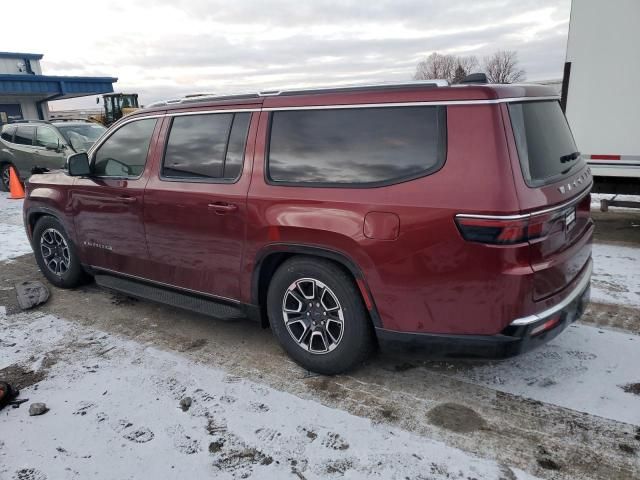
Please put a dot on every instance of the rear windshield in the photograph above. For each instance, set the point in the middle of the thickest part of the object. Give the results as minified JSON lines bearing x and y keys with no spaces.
{"x":545,"y":145}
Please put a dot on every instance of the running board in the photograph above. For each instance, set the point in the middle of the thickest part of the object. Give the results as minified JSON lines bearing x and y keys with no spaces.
{"x":193,"y":302}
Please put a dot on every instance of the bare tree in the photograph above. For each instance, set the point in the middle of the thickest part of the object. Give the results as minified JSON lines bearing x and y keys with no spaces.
{"x":502,"y":67}
{"x":465,"y":66}
{"x":436,"y":66}
{"x":448,"y":67}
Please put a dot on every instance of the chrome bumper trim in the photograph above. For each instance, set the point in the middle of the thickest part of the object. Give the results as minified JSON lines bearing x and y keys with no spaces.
{"x":580,"y":287}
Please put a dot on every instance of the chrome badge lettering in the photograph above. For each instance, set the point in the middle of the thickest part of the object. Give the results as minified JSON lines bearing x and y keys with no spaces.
{"x":578,"y":181}
{"x":93,"y":244}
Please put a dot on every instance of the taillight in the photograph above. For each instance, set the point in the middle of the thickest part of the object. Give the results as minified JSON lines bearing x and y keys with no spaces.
{"x":503,"y":231}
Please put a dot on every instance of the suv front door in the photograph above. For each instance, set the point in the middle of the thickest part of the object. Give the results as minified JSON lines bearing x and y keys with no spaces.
{"x":49,"y":148}
{"x":196,"y":204}
{"x":108,"y":204}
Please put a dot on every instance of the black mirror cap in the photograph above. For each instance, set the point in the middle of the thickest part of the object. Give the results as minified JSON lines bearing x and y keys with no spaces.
{"x":475,"y":78}
{"x":78,"y":164}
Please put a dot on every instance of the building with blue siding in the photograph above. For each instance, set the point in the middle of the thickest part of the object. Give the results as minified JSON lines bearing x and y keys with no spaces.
{"x":25,"y":91}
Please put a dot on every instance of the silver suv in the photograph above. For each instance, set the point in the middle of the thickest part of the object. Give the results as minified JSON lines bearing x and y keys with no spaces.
{"x":45,"y":145}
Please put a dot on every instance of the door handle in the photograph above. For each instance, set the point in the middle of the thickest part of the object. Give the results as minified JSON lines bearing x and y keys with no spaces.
{"x":127,"y":199}
{"x":221,"y":207}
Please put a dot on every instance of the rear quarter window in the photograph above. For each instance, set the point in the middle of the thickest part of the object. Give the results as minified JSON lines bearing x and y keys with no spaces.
{"x":356,"y":146}
{"x":7,"y":133}
{"x":546,"y":148}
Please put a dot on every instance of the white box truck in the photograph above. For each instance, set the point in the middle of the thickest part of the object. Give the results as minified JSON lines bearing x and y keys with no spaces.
{"x":601,"y":90}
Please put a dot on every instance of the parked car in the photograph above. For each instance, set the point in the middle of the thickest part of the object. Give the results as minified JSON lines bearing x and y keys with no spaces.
{"x":40,"y":144}
{"x":452,"y":218}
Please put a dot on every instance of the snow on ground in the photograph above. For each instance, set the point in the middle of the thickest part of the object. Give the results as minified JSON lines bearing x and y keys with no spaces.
{"x":584,"y":369}
{"x":13,"y":239}
{"x":114,"y":414}
{"x":616,"y":275}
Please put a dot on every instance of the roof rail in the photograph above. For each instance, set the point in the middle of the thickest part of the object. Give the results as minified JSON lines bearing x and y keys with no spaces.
{"x":357,"y":87}
{"x":196,"y":98}
{"x":69,"y":119}
{"x":29,"y":121}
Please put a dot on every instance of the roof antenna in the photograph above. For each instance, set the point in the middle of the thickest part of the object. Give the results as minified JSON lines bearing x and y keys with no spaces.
{"x":475,"y":78}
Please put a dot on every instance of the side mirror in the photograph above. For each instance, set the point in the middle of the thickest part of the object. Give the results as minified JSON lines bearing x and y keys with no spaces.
{"x":78,"y":164}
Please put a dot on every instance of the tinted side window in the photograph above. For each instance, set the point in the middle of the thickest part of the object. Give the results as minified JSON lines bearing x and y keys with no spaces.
{"x":356,"y":146}
{"x":24,"y":135}
{"x":208,"y":146}
{"x":237,"y":141}
{"x":46,"y":137}
{"x":545,"y":144}
{"x":124,"y":153}
{"x":7,"y":134}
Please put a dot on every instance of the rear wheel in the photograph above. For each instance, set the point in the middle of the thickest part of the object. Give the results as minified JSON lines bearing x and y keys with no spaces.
{"x":5,"y":175}
{"x":56,"y":254}
{"x":317,"y":315}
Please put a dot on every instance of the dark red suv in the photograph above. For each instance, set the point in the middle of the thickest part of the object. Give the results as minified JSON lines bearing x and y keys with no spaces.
{"x":455,"y":218}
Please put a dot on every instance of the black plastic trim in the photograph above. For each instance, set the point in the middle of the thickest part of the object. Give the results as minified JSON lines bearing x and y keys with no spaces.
{"x":311,"y":250}
{"x":513,"y":340}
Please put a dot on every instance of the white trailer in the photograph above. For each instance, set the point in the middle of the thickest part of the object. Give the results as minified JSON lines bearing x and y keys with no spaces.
{"x":601,"y":90}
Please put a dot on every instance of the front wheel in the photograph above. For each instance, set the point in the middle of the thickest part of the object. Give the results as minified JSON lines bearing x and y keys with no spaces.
{"x":317,"y":315}
{"x":56,"y":254}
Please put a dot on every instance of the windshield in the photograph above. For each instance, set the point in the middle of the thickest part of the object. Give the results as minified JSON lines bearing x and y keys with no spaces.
{"x":545,"y":144}
{"x":82,"y":136}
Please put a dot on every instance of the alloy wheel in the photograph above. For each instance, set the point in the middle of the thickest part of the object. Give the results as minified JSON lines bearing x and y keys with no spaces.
{"x":313,"y":315}
{"x":55,"y":251}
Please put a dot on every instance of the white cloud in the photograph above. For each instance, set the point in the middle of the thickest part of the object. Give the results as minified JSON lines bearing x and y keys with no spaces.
{"x":163,"y":48}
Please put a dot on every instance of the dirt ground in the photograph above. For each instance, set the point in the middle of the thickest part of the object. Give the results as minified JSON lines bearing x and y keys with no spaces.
{"x":405,"y":389}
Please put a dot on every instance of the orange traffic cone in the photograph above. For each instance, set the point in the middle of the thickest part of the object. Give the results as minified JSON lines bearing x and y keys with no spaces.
{"x":15,"y":187}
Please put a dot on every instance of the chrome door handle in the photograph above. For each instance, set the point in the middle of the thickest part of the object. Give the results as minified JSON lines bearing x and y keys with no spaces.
{"x":127,"y":199}
{"x":222,"y":207}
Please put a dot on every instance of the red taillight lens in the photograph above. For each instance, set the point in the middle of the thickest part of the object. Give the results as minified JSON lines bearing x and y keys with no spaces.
{"x":502,"y":231}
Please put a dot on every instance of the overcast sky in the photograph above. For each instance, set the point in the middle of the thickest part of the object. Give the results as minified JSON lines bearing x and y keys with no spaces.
{"x":166,"y":48}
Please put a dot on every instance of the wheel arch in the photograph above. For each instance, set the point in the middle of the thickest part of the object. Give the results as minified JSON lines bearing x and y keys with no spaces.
{"x":34,"y":214}
{"x":269,"y":259}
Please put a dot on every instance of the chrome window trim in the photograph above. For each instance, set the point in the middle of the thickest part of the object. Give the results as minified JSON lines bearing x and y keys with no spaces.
{"x":414,"y":104}
{"x":527,"y":215}
{"x":100,"y":141}
{"x":579,"y":288}
{"x":110,"y":133}
{"x":147,"y":280}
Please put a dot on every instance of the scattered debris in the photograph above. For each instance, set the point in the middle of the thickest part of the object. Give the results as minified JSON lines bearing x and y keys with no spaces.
{"x":31,"y":294}
{"x":632,"y":388}
{"x":626,"y":448}
{"x":545,"y":461}
{"x":185,"y":403}
{"x":38,"y":408}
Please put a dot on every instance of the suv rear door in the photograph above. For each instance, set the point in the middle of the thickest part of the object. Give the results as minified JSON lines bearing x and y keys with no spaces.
{"x":196,"y":201}
{"x":23,"y":150}
{"x":553,"y":183}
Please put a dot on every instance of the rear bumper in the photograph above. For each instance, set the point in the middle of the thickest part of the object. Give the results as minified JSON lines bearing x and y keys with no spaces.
{"x":521,"y":336}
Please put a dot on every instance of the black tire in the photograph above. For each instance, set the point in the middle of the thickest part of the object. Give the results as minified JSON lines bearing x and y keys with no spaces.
{"x":357,"y":339}
{"x":74,"y":274}
{"x":4,"y":177}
